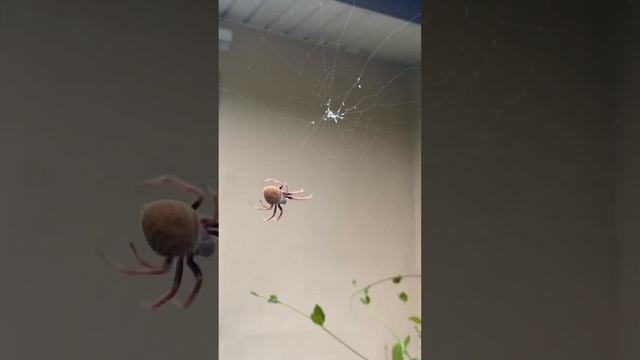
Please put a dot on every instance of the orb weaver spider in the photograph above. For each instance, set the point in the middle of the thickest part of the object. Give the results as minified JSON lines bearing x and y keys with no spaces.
{"x":276,"y":196}
{"x":174,"y":229}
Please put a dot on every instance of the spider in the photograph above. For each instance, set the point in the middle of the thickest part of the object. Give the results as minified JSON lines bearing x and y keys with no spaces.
{"x":276,"y":196}
{"x":174,"y":229}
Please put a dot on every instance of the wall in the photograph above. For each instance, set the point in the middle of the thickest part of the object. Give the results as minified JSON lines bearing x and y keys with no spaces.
{"x":97,"y":96}
{"x":360,"y":223}
{"x":519,"y":258}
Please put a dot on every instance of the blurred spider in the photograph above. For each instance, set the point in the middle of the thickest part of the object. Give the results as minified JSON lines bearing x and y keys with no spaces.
{"x":174,"y":229}
{"x":276,"y":196}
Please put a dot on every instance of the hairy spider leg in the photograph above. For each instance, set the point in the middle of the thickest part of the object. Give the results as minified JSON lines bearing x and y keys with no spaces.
{"x":214,"y":231}
{"x":177,"y":279}
{"x":284,"y":187}
{"x":273,"y":180}
{"x":197,"y":273}
{"x":283,"y":184}
{"x":214,"y":205}
{"x":275,"y":209}
{"x":148,"y":271}
{"x":140,"y":260}
{"x":209,"y":226}
{"x":295,"y":192}
{"x":288,"y":196}
{"x":281,"y":212}
{"x":264,"y":207}
{"x":180,"y":184}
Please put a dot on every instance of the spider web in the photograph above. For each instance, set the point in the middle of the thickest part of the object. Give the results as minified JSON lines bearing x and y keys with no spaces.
{"x":343,"y":104}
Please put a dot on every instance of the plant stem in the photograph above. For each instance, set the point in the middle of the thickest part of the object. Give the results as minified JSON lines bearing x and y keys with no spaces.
{"x":294,"y":309}
{"x":379,"y":319}
{"x":299,"y":312}
{"x":343,"y":343}
{"x":366,"y":288}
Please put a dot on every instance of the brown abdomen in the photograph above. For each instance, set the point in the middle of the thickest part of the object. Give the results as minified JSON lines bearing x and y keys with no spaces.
{"x":170,"y":227}
{"x":272,"y":194}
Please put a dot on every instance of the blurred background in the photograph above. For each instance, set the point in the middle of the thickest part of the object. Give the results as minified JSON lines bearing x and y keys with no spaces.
{"x":530,"y":136}
{"x":97,"y":96}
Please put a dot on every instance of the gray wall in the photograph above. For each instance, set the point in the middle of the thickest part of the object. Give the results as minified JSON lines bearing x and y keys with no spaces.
{"x":518,"y":252}
{"x":96,"y":96}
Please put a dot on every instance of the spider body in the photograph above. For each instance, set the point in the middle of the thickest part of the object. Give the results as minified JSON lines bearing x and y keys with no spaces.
{"x":273,"y":195}
{"x":277,"y":195}
{"x":173,"y":230}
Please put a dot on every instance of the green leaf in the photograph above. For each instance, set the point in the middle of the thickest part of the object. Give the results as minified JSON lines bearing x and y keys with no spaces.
{"x":397,"y":353}
{"x":366,"y":300}
{"x":273,"y":299}
{"x":353,"y":282}
{"x":407,"y":340}
{"x":318,"y":315}
{"x":255,"y":294}
{"x":397,"y":279}
{"x":415,"y":319}
{"x":403,"y":296}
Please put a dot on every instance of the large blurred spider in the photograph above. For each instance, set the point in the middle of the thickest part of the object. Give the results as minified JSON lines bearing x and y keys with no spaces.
{"x":276,"y":196}
{"x":174,"y":229}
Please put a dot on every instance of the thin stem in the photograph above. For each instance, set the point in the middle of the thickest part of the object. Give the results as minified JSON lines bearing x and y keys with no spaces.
{"x":343,"y":343}
{"x":369,"y":286}
{"x":379,"y":319}
{"x":294,"y":309}
{"x":375,"y":314}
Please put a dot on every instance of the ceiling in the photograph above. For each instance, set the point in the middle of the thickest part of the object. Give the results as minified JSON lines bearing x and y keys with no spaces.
{"x":366,"y":28}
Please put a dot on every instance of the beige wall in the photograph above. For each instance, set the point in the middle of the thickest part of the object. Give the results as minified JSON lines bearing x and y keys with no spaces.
{"x":360,"y":224}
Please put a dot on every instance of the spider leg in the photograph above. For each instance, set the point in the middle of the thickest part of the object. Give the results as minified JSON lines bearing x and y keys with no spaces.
{"x":148,"y":271}
{"x":264,"y":207}
{"x":197,"y":273}
{"x":281,"y":212}
{"x":180,"y":184}
{"x":274,"y":180}
{"x":177,"y":279}
{"x":140,"y":260}
{"x":299,"y":198}
{"x":295,"y":192}
{"x":275,"y":209}
{"x":214,"y":197}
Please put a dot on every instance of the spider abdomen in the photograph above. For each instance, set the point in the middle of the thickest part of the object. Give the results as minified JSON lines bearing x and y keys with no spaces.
{"x":272,"y":195}
{"x":170,"y":227}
